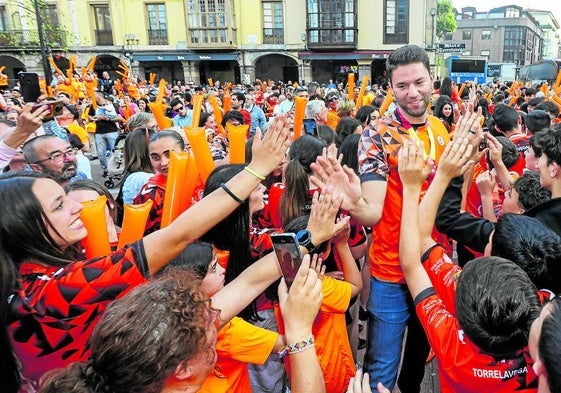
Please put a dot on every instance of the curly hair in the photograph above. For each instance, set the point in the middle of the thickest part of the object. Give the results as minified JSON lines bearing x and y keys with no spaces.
{"x":143,"y":338}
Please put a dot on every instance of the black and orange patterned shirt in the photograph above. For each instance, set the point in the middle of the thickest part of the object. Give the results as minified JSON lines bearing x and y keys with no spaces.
{"x":54,"y":309}
{"x":155,"y":190}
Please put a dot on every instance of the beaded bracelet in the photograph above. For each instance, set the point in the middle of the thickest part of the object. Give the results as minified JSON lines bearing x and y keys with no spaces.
{"x":257,"y":175}
{"x":229,"y":192}
{"x":297,"y":347}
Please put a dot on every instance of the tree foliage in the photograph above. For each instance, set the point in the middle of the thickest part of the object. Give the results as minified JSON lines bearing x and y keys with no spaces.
{"x":445,"y":18}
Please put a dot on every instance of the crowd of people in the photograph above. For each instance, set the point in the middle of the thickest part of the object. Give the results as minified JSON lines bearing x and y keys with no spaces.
{"x":426,"y":213}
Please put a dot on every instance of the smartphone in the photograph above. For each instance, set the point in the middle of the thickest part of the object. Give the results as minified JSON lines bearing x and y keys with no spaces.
{"x":30,"y":90}
{"x":288,"y":254}
{"x":310,"y":127}
{"x":483,"y":143}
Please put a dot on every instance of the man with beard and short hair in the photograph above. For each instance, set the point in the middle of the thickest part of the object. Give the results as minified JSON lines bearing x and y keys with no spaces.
{"x":390,"y":307}
{"x":52,"y":156}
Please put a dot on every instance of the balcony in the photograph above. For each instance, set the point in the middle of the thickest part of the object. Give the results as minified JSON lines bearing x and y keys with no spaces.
{"x":104,"y":37}
{"x":158,"y":37}
{"x":273,"y":36}
{"x":30,"y":38}
{"x":212,"y":38}
{"x":329,"y":39}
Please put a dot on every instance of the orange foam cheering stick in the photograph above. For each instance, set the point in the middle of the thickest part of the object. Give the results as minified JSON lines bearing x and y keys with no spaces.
{"x":217,"y":113}
{"x":299,"y":111}
{"x":158,"y":108}
{"x":237,"y":138}
{"x":387,"y":102}
{"x":351,"y":86}
{"x":557,"y":81}
{"x":175,"y":186}
{"x":191,"y":180}
{"x":226,"y":100}
{"x":197,"y":106}
{"x":134,"y":221}
{"x":92,"y":215}
{"x":201,"y":150}
{"x":362,"y":91}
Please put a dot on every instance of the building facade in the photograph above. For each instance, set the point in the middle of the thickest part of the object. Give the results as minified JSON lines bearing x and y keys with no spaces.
{"x":550,"y":27}
{"x":226,"y":40}
{"x":506,"y":34}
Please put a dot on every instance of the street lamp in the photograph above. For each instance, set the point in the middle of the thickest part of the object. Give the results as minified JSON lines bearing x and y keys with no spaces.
{"x":433,"y":16}
{"x":433,"y":12}
{"x":44,"y":58}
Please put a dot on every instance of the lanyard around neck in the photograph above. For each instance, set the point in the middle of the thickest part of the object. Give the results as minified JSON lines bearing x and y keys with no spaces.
{"x":413,"y":135}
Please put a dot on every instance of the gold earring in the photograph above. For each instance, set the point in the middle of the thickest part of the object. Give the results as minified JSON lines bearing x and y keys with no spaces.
{"x":191,"y":370}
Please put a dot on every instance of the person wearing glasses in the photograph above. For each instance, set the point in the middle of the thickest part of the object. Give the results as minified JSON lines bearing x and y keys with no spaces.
{"x":50,"y":155}
{"x":183,"y":117}
{"x":332,"y":100}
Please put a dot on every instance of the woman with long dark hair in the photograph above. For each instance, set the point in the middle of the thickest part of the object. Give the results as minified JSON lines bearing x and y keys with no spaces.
{"x":51,"y":296}
{"x":444,"y":110}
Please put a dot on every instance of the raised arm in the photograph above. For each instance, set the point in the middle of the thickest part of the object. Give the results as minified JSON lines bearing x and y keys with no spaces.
{"x":351,"y":274}
{"x":455,"y":160}
{"x":299,"y":308}
{"x":495,"y":156}
{"x":486,"y":183}
{"x":268,"y":151}
{"x":235,"y":296}
{"x":413,"y":173}
{"x":364,"y":202}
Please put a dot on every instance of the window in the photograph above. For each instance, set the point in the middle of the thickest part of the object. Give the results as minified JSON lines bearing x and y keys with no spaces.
{"x":512,"y":13}
{"x":4,"y":26}
{"x":466,"y":34}
{"x":448,"y":36}
{"x":332,"y":22}
{"x":486,"y":52}
{"x":396,"y":21}
{"x":486,"y":34}
{"x":515,"y":38}
{"x":50,"y":16}
{"x":102,"y":20}
{"x":273,"y":31}
{"x":157,"y":24}
{"x":211,"y":22}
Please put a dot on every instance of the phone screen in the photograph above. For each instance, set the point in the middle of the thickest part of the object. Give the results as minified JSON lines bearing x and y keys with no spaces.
{"x":288,"y":254}
{"x":310,"y":127}
{"x":30,"y":89}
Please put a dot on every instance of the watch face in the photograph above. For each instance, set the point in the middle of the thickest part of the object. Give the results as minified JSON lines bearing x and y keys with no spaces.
{"x":303,"y":236}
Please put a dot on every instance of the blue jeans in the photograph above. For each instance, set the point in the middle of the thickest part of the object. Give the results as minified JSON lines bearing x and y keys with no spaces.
{"x":389,"y":307}
{"x":102,"y":143}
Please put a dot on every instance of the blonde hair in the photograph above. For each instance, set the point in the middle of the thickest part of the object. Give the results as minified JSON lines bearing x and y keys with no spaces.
{"x":345,"y":108}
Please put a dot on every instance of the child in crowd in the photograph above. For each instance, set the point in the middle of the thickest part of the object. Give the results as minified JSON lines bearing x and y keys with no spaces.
{"x":479,"y":337}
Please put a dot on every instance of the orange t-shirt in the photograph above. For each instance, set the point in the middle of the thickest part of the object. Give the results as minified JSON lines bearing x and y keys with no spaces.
{"x":378,"y":161}
{"x":330,"y":332}
{"x":238,"y":343}
{"x":332,"y":119}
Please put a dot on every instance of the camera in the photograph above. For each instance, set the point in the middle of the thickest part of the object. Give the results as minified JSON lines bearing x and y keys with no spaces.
{"x":55,"y":109}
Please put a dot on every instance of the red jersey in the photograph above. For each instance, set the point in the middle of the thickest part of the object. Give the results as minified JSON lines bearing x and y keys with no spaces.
{"x":378,"y":156}
{"x":462,"y":367}
{"x":54,"y":309}
{"x":154,"y":189}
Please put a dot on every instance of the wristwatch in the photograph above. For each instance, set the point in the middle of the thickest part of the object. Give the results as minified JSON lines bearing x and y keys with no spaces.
{"x":305,"y":239}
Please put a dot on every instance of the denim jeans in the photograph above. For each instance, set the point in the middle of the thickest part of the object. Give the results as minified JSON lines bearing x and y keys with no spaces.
{"x":104,"y":142}
{"x":389,"y":307}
